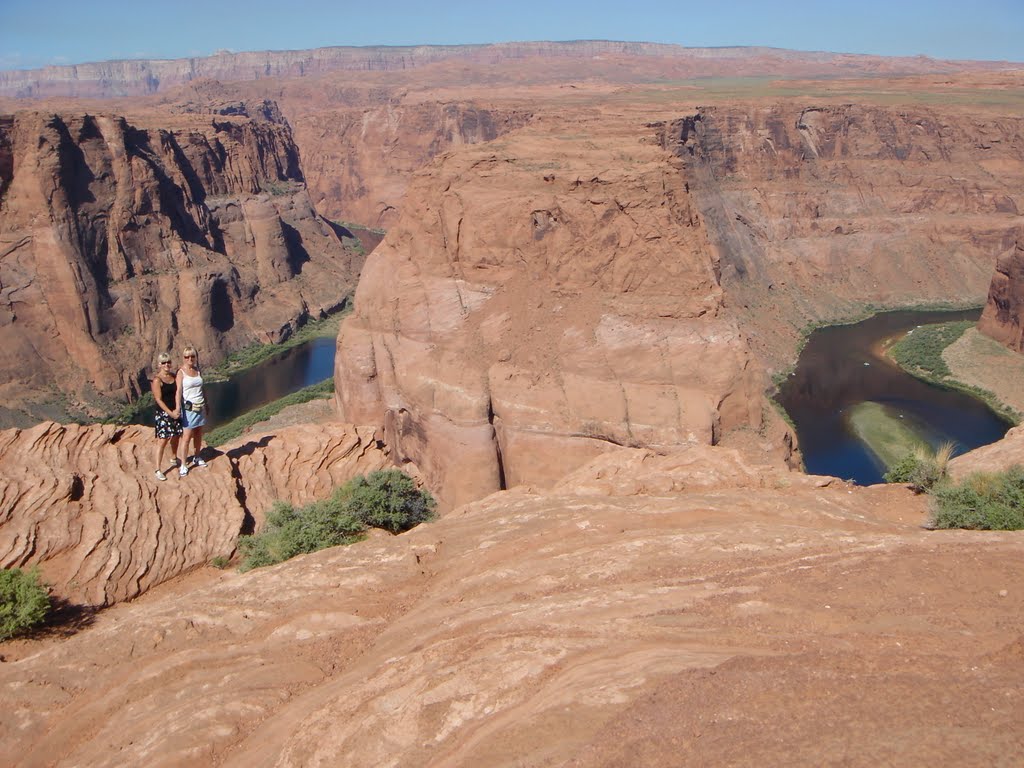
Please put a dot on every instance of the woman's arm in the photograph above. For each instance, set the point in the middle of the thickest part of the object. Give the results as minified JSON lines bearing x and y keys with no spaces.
{"x":177,"y":390}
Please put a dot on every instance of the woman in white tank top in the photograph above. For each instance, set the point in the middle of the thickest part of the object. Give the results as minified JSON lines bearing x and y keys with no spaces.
{"x":192,"y":406}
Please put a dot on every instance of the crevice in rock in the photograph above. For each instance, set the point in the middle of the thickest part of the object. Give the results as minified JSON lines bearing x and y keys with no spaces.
{"x":77,"y":489}
{"x":502,"y":485}
{"x":248,"y":521}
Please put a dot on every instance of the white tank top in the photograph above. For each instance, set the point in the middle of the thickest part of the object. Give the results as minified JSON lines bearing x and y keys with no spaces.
{"x":192,"y":388}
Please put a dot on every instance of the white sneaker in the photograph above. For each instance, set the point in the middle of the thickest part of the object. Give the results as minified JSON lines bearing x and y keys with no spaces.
{"x":160,"y":475}
{"x":197,"y":462}
{"x":182,"y":470}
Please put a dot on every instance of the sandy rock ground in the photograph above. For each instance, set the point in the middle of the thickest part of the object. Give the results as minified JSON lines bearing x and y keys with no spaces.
{"x":661,"y":610}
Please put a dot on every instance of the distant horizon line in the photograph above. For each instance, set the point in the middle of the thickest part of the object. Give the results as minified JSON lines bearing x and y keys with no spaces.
{"x":413,"y":46}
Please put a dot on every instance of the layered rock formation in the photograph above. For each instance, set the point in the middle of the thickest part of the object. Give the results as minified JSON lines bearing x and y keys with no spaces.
{"x":81,"y":503}
{"x":121,"y":237}
{"x":819,"y":210}
{"x":365,"y":155}
{"x":141,"y":76}
{"x":1003,"y":317}
{"x":565,"y":296}
{"x":538,"y":303}
{"x":717,"y":613}
{"x":363,"y":140}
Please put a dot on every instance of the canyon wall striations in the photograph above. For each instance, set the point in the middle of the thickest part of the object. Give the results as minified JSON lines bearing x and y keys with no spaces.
{"x":121,"y":237}
{"x":574,"y":286}
{"x":539,"y":302}
{"x":817,"y":211}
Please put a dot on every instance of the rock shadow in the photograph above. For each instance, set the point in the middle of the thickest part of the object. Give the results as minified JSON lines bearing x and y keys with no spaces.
{"x":65,"y":619}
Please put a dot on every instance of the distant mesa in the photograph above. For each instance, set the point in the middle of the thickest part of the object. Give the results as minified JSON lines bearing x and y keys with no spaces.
{"x":147,"y":76}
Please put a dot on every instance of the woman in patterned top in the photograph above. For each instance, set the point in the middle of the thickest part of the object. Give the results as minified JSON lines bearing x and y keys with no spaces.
{"x":168,"y":422}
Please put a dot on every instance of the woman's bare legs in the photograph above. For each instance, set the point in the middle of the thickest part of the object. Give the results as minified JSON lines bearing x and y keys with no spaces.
{"x":161,"y":446}
{"x":197,"y":439}
{"x":186,"y":435}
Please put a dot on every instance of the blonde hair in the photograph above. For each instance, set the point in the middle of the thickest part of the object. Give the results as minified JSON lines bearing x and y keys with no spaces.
{"x":190,"y":350}
{"x":163,"y":357}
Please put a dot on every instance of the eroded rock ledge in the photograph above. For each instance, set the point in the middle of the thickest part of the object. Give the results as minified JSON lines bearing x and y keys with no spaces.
{"x":82,"y":502}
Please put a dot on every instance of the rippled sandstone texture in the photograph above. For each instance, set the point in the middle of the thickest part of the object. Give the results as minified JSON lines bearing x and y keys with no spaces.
{"x":685,"y":609}
{"x":124,"y":236}
{"x":82,"y":504}
{"x":1003,"y":317}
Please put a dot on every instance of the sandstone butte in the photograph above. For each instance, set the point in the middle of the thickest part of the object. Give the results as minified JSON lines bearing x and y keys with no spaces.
{"x":581,"y":299}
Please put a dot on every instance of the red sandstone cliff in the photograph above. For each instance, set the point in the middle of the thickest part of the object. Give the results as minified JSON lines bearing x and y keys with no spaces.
{"x":121,"y":236}
{"x":1003,"y":317}
{"x":542,"y":298}
{"x":538,"y":304}
{"x":817,"y":211}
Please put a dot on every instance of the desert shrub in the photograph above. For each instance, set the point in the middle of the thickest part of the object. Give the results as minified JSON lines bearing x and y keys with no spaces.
{"x":991,"y":501}
{"x":290,"y":532}
{"x":387,"y":499}
{"x":24,"y":601}
{"x":921,"y":349}
{"x":922,"y":469}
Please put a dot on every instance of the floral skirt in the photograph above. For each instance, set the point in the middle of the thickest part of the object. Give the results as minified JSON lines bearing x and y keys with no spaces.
{"x":166,"y":425}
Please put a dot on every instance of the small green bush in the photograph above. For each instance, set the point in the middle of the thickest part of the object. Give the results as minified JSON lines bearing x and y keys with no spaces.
{"x":982,"y":501}
{"x":921,"y":469}
{"x":290,"y":532}
{"x":24,"y":601}
{"x":386,"y":499}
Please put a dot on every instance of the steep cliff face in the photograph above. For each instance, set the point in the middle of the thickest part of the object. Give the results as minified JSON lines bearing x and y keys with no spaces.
{"x":817,"y":211}
{"x":120,"y":237}
{"x":539,"y":303}
{"x":361,"y":142}
{"x":358,"y":161}
{"x":1003,"y":317}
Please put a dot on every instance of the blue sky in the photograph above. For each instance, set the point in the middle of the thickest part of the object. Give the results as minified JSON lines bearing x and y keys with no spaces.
{"x":34,"y":33}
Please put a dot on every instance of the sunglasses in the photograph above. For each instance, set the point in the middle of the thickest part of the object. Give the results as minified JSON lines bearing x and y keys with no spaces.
{"x":165,"y":362}
{"x":190,"y":357}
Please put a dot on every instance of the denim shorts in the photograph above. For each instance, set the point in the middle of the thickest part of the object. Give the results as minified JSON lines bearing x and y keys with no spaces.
{"x":193,"y":419}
